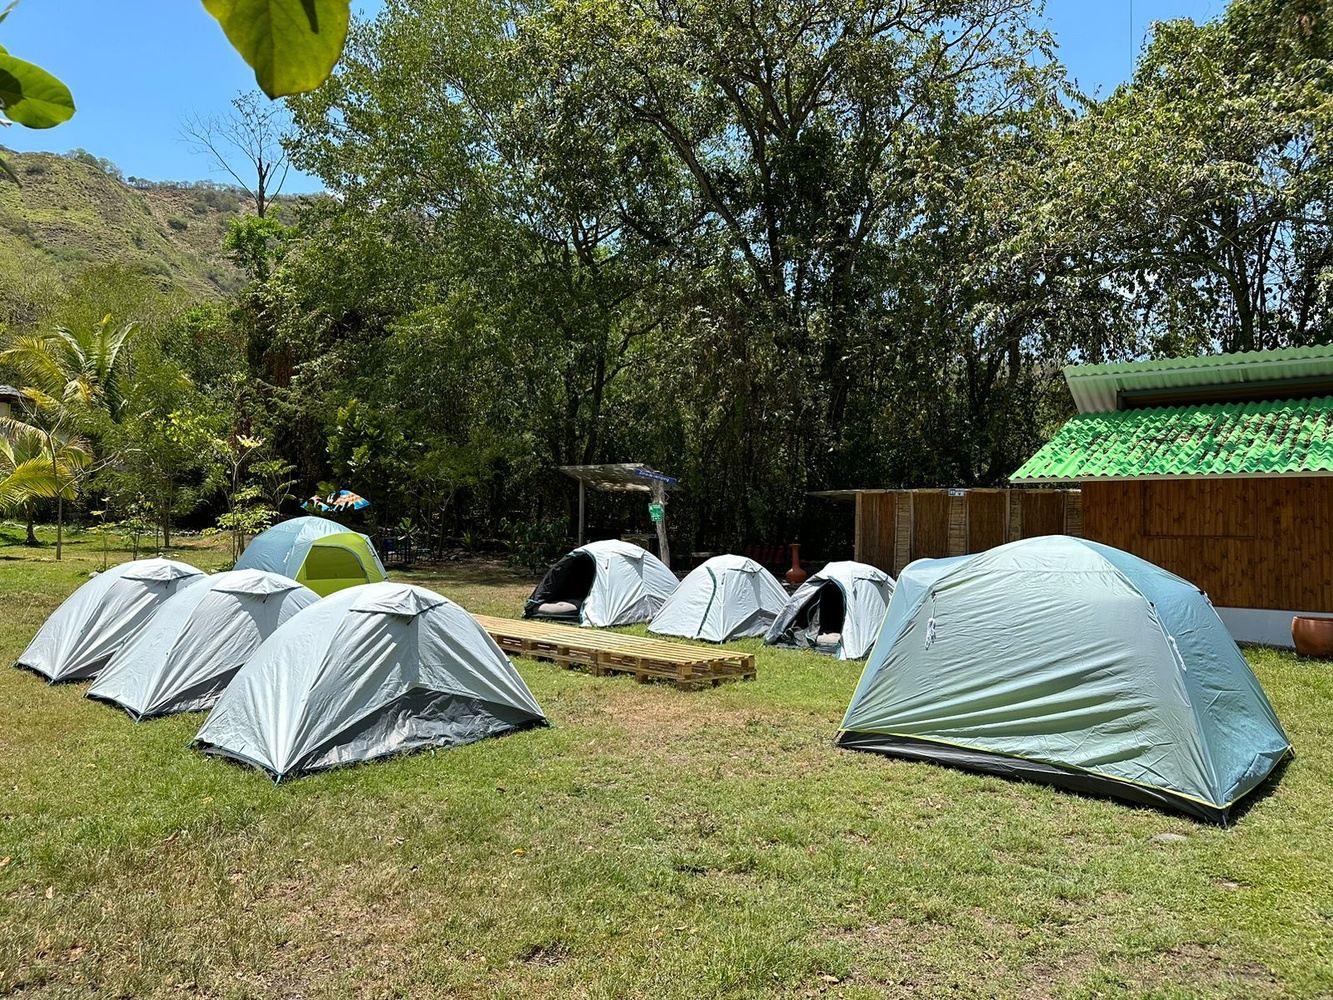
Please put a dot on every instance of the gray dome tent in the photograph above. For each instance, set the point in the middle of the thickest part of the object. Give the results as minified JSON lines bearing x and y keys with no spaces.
{"x":183,"y":658}
{"x":838,"y":611}
{"x":101,"y":616}
{"x":728,"y":597}
{"x":373,"y":670}
{"x":1070,"y":663}
{"x":602,"y":584}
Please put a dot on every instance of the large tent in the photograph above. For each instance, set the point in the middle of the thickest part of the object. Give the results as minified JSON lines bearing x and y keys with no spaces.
{"x":101,"y":616}
{"x":728,"y":597}
{"x":188,"y":652}
{"x":1072,"y":663}
{"x":837,"y":611}
{"x":322,"y":554}
{"x":603,"y":584}
{"x":373,"y":670}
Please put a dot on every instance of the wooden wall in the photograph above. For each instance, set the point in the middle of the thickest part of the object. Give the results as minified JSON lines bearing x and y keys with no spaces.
{"x":894,"y":527}
{"x":1249,"y":543}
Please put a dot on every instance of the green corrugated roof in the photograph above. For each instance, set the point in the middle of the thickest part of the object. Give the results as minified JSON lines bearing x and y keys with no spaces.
{"x":1269,"y":437}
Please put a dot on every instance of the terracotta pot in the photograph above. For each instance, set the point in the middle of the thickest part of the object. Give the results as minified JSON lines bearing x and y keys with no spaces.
{"x":795,"y":576}
{"x":1313,"y":636}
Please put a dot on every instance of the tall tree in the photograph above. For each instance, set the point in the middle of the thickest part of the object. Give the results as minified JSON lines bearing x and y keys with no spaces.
{"x":246,"y":144}
{"x":1203,"y":190}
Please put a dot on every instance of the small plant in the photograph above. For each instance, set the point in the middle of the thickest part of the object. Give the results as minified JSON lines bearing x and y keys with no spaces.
{"x":534,"y":544}
{"x":136,"y":523}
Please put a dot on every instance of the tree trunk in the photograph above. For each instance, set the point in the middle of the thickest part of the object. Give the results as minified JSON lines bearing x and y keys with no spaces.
{"x":60,"y":526}
{"x":32,"y":534}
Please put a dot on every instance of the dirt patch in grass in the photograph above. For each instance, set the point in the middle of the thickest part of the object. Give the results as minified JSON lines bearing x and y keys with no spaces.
{"x":550,"y":954}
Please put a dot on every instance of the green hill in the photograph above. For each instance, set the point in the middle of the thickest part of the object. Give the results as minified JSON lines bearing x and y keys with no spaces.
{"x":72,"y":212}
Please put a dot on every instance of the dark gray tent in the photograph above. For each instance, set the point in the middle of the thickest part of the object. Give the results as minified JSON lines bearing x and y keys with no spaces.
{"x":372,"y":670}
{"x":101,"y":616}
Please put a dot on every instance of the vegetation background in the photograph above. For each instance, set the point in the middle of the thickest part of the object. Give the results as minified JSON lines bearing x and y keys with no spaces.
{"x":769,"y":247}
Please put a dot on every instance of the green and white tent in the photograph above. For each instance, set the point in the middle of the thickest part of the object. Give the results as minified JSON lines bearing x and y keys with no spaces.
{"x":322,"y":554}
{"x":1070,"y":663}
{"x":379,"y":669}
{"x":728,"y":597}
{"x":101,"y":616}
{"x":196,"y":642}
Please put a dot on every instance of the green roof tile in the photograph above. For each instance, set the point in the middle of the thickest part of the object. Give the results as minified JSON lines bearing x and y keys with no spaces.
{"x":1269,"y":437}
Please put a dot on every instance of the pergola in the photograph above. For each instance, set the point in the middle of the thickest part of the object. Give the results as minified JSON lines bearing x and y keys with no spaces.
{"x":625,"y":477}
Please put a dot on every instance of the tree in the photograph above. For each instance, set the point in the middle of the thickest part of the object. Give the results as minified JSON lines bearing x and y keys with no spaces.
{"x":246,"y":143}
{"x":68,"y":378}
{"x":1203,"y":189}
{"x":34,"y":466}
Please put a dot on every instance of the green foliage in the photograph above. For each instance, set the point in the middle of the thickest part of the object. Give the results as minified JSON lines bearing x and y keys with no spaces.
{"x":1203,"y":189}
{"x":534,"y":545}
{"x":292,"y":45}
{"x":256,"y":243}
{"x":31,"y":96}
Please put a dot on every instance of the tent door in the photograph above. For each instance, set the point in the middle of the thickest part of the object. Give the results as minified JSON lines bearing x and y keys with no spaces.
{"x":329,"y":568}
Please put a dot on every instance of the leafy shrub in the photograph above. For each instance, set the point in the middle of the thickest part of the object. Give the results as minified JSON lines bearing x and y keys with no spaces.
{"x":180,"y":225}
{"x":535,"y":544}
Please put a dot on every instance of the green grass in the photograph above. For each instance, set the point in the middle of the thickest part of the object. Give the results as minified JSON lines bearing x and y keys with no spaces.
{"x":651,"y":843}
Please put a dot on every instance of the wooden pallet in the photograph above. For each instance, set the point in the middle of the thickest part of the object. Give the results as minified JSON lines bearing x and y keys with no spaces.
{"x":602,"y":652}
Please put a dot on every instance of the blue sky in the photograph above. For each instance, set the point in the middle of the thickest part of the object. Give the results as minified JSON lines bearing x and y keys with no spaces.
{"x":138,"y":67}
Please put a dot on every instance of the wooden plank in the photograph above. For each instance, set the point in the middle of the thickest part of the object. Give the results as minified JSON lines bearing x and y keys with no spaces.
{"x":600,"y":652}
{"x":876,"y":528}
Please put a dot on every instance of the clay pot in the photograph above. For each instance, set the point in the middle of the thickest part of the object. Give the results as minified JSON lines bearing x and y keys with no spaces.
{"x":795,"y":576}
{"x":1313,"y":636}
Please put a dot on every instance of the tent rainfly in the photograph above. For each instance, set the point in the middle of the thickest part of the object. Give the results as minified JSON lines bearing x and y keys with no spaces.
{"x":101,"y":616}
{"x":199,"y":638}
{"x":322,"y":554}
{"x":837,"y":611}
{"x":728,"y":597}
{"x":374,"y":670}
{"x":1070,"y":663}
{"x":602,"y":584}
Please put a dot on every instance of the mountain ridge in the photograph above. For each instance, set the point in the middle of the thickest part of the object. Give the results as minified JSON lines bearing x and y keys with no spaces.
{"x":73,"y":212}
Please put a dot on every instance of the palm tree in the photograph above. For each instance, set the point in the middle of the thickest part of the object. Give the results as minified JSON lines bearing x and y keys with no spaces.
{"x":84,"y":367}
{"x":34,"y":466}
{"x":68,"y":375}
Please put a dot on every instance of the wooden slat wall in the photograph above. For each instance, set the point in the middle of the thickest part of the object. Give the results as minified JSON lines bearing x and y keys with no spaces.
{"x":1043,"y":512}
{"x":876,"y":527}
{"x":893,"y":527}
{"x":930,"y":524}
{"x":987,"y":519}
{"x":1250,"y":543}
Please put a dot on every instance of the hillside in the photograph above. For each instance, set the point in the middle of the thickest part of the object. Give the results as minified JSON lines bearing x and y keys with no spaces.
{"x":69,"y":213}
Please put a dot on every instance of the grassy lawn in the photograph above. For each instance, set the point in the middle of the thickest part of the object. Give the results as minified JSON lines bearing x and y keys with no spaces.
{"x":651,"y":843}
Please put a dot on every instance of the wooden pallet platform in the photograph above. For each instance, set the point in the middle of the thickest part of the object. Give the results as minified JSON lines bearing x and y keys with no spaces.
{"x":602,"y":652}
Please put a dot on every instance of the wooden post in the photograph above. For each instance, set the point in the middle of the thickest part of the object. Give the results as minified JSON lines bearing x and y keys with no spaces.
{"x":583,"y":499}
{"x":663,"y":549}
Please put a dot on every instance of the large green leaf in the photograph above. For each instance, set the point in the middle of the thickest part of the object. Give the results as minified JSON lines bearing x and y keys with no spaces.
{"x":292,"y":45}
{"x":31,"y":96}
